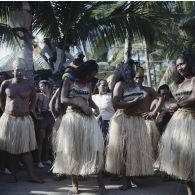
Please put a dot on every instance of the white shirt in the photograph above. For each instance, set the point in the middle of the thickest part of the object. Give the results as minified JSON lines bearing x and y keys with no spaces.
{"x":104,"y":103}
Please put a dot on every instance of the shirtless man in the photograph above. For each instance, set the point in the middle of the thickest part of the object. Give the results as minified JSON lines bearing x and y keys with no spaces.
{"x":149,"y":95}
{"x":17,"y":136}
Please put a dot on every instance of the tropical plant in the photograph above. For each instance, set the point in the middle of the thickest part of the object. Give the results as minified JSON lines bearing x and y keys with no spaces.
{"x":73,"y":23}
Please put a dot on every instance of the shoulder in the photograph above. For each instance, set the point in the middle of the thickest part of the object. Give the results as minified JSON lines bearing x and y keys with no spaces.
{"x":67,"y":80}
{"x":119,"y":84}
{"x":150,"y":90}
{"x":67,"y":84}
{"x":6,"y":83}
{"x":119,"y":88}
{"x":39,"y":95}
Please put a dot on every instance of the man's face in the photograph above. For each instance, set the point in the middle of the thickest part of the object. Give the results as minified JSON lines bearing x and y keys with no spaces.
{"x":43,"y":87}
{"x":139,"y":80}
{"x":18,"y":73}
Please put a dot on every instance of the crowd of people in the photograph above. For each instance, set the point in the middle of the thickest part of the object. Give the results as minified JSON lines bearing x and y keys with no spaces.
{"x":82,"y":128}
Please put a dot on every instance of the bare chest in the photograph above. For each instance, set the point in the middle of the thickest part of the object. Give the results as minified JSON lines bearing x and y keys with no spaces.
{"x":14,"y":91}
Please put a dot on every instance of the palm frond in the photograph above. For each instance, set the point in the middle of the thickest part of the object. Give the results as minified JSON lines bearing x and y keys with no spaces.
{"x":7,"y":37}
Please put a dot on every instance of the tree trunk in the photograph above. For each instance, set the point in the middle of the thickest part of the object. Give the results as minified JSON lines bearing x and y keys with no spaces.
{"x":21,"y":22}
{"x":27,"y":54}
{"x":84,"y":50}
{"x":155,"y":80}
{"x":147,"y":64}
{"x":127,"y":49}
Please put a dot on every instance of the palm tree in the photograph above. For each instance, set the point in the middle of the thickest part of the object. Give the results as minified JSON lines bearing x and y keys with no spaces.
{"x":73,"y":23}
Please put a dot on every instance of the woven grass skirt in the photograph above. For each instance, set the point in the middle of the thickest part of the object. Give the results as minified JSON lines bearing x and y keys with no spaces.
{"x":17,"y":134}
{"x":154,"y":135}
{"x":177,"y":152}
{"x":54,"y":132}
{"x":129,"y":145}
{"x":79,"y":145}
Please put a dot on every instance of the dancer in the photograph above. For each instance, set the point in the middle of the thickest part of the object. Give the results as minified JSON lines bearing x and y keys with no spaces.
{"x":177,"y":155}
{"x":79,"y":142}
{"x":129,"y":150}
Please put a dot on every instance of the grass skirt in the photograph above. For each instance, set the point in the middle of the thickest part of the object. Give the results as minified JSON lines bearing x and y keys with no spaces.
{"x":79,"y":145}
{"x":177,"y":152}
{"x":17,"y":134}
{"x":129,"y":145}
{"x":154,"y":135}
{"x":54,"y":132}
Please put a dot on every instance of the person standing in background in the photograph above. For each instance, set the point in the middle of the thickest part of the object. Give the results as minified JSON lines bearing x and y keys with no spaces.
{"x":49,"y":53}
{"x":104,"y":102}
{"x":17,"y":134}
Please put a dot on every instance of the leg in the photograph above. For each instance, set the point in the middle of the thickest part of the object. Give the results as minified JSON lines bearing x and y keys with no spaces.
{"x":75,"y":189}
{"x":40,"y":147}
{"x":190,"y":188}
{"x":134,"y":183}
{"x":126,"y":182}
{"x":13,"y":164}
{"x":2,"y":161}
{"x":47,"y":145}
{"x":27,"y":157}
{"x":101,"y":185}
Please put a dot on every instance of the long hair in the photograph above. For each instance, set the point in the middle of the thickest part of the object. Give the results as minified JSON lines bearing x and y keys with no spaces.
{"x":85,"y":69}
{"x":124,"y":72}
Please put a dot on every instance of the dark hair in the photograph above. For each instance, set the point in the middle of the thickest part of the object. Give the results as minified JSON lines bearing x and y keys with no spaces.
{"x":45,"y":82}
{"x":95,"y":91}
{"x":165,"y":86}
{"x":99,"y":82}
{"x":78,"y":61}
{"x":85,"y":69}
{"x":188,"y":58}
{"x":124,"y":72}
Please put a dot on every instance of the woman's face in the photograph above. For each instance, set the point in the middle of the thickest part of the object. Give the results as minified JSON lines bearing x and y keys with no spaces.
{"x":182,"y":67}
{"x":103,"y":87}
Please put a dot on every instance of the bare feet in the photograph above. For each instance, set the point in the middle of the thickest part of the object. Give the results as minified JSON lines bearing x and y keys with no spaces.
{"x":75,"y":189}
{"x":36,"y":180}
{"x":102,"y":189}
{"x":125,"y":187}
{"x":12,"y":179}
{"x":135,"y":184}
